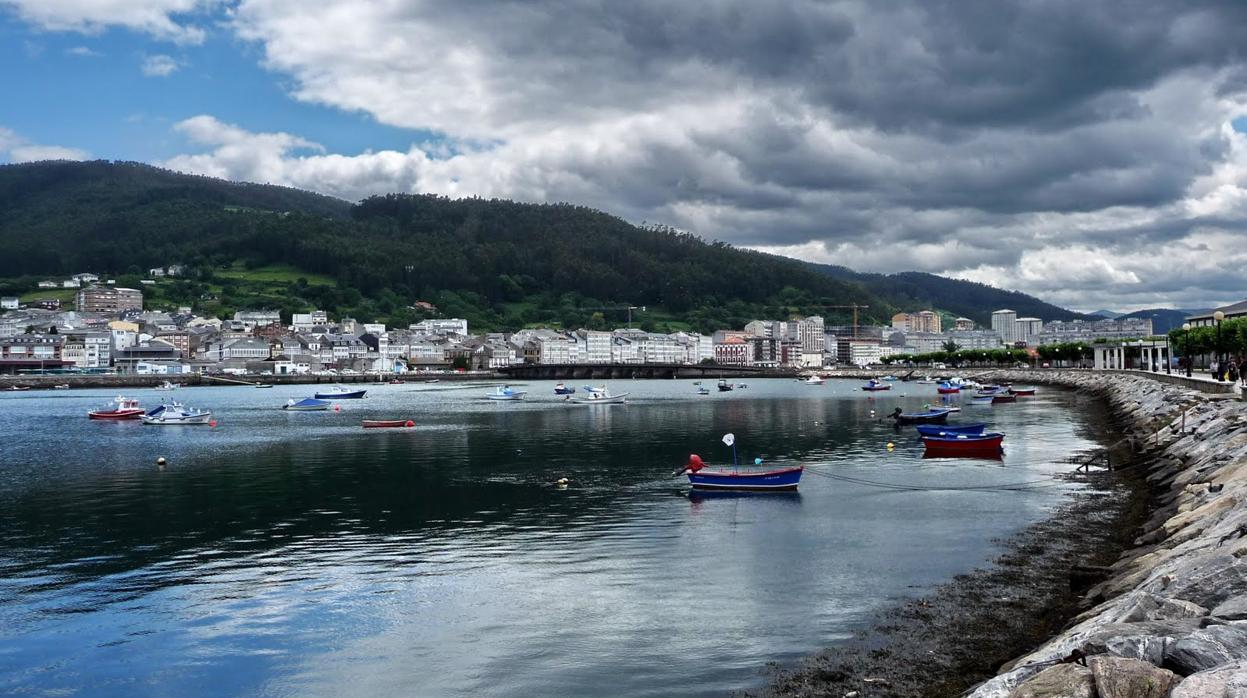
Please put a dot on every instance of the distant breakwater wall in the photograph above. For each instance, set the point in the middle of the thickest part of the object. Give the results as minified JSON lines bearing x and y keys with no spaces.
{"x":1169,"y":618}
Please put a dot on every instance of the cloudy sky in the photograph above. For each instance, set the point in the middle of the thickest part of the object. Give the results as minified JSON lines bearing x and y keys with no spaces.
{"x":1091,"y":153}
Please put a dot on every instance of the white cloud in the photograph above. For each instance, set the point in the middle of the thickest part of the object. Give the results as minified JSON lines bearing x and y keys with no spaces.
{"x":17,"y":149}
{"x":159,"y":66}
{"x":83,"y":52}
{"x":160,"y":18}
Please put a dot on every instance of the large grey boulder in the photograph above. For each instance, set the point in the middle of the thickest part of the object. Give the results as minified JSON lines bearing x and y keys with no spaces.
{"x":1229,"y":681}
{"x":1141,"y":605}
{"x":1207,"y":648}
{"x":1116,"y":677}
{"x":1060,"y":681}
{"x":1206,"y":578}
{"x":1233,"y":609}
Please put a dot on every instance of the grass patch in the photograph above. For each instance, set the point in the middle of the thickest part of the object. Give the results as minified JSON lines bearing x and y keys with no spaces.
{"x":66,"y":295}
{"x":275,"y":273}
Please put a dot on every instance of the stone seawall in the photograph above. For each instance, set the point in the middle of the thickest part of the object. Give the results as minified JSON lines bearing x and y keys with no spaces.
{"x":1170,"y":619}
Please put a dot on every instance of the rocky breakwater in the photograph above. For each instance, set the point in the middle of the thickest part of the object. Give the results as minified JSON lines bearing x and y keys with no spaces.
{"x":1170,"y":619}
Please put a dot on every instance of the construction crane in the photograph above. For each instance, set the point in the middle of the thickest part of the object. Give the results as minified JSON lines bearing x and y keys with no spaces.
{"x":628,"y":308}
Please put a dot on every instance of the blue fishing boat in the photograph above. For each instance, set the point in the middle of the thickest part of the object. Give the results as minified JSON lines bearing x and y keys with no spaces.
{"x":340,"y":393}
{"x":929,"y":417}
{"x":561,"y":389}
{"x":873,"y":385}
{"x":943,"y":429}
{"x":736,"y":479}
{"x":307,"y":404}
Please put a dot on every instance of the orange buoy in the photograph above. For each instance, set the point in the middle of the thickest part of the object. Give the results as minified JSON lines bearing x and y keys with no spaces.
{"x":410,"y":423}
{"x":212,"y":423}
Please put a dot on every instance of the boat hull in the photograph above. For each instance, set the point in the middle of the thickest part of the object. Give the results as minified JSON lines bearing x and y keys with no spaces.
{"x":354,"y":395}
{"x":875,"y":388}
{"x":1024,"y":392}
{"x":116,"y":415}
{"x":611,"y":400}
{"x":933,"y":417}
{"x":1004,"y":398}
{"x":785,"y":480}
{"x":166,"y":421}
{"x":387,"y":423}
{"x":955,"y":445}
{"x":564,"y":391}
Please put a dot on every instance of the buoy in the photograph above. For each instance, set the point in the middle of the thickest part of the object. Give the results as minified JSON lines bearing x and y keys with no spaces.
{"x":337,"y":408}
{"x":410,"y":423}
{"x":757,"y":461}
{"x":562,"y":481}
{"x":161,"y":461}
{"x":891,"y":445}
{"x":212,"y":423}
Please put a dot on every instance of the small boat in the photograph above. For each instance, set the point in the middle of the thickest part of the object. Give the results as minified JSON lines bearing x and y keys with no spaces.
{"x":1023,"y":392}
{"x":738,"y":480}
{"x":945,"y":429}
{"x":703,"y":391}
{"x":814,"y":380}
{"x":952,"y":445}
{"x":396,"y":382}
{"x":166,"y":386}
{"x":62,"y":386}
{"x":937,"y":416}
{"x":947,"y":389}
{"x":888,"y":378}
{"x":561,"y":389}
{"x":592,"y":389}
{"x":696,"y":382}
{"x":741,"y":386}
{"x":873,"y":385}
{"x":505,"y":393}
{"x":17,"y":388}
{"x":724,"y":386}
{"x":307,"y":404}
{"x":980,"y":399}
{"x":927,"y":381}
{"x":119,"y":408}
{"x":1004,"y":397}
{"x":599,"y":397}
{"x":340,"y":393}
{"x":387,"y":423}
{"x":263,"y":385}
{"x":175,"y":413}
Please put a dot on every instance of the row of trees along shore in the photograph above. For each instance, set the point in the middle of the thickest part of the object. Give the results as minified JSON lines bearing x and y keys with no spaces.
{"x":1203,"y":342}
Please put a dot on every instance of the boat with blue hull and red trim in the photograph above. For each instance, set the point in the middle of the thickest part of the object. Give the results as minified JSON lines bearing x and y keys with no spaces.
{"x":935,"y":416}
{"x":706,"y":479}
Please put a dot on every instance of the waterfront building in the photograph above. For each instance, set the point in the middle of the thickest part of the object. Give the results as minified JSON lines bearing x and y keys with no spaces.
{"x":924,"y":342}
{"x":975,"y":339}
{"x":1062,"y":332}
{"x":859,"y":352}
{"x":963,"y":324}
{"x":1232,"y":312}
{"x":732,"y":351}
{"x":812,"y":332}
{"x":590,"y":347}
{"x":31,"y":351}
{"x":108,"y":299}
{"x":1004,"y":323}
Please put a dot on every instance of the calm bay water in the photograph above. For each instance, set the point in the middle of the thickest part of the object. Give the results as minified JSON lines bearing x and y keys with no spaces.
{"x":297,"y":554}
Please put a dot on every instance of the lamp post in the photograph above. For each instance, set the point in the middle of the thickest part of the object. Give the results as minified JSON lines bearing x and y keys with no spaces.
{"x":1168,"y":355}
{"x":1219,"y":316}
{"x":1186,"y":346}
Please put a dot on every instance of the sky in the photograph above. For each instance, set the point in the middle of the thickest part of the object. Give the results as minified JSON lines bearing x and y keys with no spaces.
{"x":1091,"y":153}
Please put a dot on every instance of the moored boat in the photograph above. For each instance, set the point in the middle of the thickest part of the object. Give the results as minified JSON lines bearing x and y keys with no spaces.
{"x":307,"y":404}
{"x":1004,"y":397}
{"x":387,"y":423}
{"x":263,"y":385}
{"x":175,"y":414}
{"x":979,"y":400}
{"x":599,"y":397}
{"x":873,"y":385}
{"x":814,"y":380}
{"x":724,"y":386}
{"x":947,"y":389}
{"x":953,"y":445}
{"x":562,"y":389}
{"x":738,"y":480}
{"x":167,"y":386}
{"x":120,"y":408}
{"x":946,"y":429}
{"x":505,"y":393}
{"x":340,"y":393}
{"x":1027,"y":391}
{"x":929,"y":417}
{"x":703,"y":391}
{"x":62,"y":386}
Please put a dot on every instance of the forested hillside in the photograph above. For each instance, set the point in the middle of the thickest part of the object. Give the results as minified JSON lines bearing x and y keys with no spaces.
{"x":500,"y":263}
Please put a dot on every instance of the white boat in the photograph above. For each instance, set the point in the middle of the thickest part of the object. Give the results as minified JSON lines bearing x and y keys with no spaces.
{"x":307,"y":404}
{"x":167,"y":386}
{"x":175,"y":413}
{"x":814,"y":380}
{"x":927,"y":381}
{"x":505,"y":393}
{"x":598,"y":396}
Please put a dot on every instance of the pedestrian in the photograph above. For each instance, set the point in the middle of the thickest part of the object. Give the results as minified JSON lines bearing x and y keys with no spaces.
{"x":1231,"y":372}
{"x":1215,"y":369}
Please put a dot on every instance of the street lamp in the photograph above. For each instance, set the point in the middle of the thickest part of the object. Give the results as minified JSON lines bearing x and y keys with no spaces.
{"x":1219,"y":316}
{"x":1186,"y":346}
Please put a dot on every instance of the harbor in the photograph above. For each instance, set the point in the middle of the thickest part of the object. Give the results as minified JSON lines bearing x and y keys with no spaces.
{"x":228,"y":557}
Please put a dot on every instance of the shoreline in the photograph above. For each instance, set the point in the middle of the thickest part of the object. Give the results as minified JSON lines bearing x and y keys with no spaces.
{"x":1002,"y":631}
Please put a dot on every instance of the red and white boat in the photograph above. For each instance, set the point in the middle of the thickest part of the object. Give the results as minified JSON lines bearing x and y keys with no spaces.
{"x":120,"y":408}
{"x":388,"y":423}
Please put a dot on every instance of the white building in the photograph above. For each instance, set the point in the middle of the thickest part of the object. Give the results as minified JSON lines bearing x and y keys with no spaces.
{"x":444,"y":326}
{"x":252,"y":319}
{"x":1028,"y":329}
{"x":9,"y":303}
{"x":303,"y":322}
{"x":976,"y":339}
{"x":1004,"y":323}
{"x":590,"y":347}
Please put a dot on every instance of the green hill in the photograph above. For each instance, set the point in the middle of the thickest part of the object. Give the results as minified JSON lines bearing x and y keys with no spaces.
{"x":914,"y":290}
{"x":499,"y":263}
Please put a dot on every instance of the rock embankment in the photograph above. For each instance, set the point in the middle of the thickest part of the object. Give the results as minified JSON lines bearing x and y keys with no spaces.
{"x":1171,"y":618}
